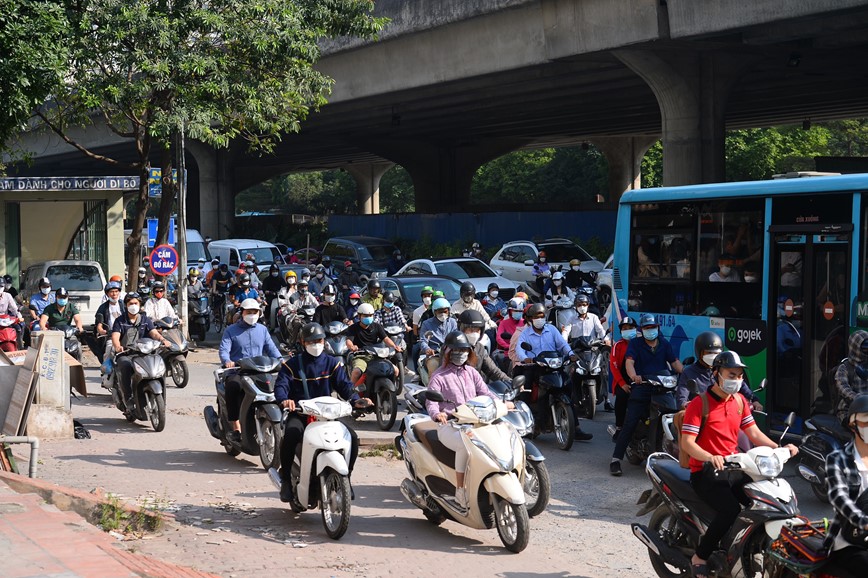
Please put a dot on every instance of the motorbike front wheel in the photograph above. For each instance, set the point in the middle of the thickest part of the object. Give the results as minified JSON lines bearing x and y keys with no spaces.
{"x":537,"y":487}
{"x":269,"y":445}
{"x":180,"y":372}
{"x":590,"y":402}
{"x":821,"y":492}
{"x":386,"y":408}
{"x":335,"y":503}
{"x":564,"y":424}
{"x":156,"y":410}
{"x":203,"y":329}
{"x":513,"y":524}
{"x":663,"y":523}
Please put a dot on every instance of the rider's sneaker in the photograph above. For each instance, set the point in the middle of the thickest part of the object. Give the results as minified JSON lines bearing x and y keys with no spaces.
{"x":285,"y":492}
{"x":583,"y":436}
{"x":461,"y":497}
{"x":234,"y":437}
{"x":615,"y":468}
{"x":608,"y":406}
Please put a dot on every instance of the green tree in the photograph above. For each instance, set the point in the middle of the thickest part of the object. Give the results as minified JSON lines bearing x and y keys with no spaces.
{"x":221,"y":70}
{"x":397,"y":194}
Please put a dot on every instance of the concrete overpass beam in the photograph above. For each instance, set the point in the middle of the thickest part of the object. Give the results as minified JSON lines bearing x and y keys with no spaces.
{"x":624,"y":155}
{"x":367,"y":177}
{"x":691,"y":90}
{"x":216,"y":201}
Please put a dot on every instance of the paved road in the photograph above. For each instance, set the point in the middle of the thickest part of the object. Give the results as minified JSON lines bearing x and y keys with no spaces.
{"x":230,"y":521}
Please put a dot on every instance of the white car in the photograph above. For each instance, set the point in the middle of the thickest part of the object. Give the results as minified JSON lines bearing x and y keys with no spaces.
{"x":516,"y":258}
{"x":463,"y":269}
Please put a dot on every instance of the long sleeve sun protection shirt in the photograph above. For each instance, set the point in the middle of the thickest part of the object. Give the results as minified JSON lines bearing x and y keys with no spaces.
{"x":241,"y":340}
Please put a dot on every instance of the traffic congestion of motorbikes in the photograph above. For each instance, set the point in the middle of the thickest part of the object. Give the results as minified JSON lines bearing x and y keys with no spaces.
{"x":481,"y":378}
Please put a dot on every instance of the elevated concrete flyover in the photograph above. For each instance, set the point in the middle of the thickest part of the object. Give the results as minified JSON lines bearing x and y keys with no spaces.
{"x":454,"y":83}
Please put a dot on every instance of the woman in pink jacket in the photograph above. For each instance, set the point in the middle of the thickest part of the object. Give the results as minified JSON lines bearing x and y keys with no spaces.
{"x":514,"y":318}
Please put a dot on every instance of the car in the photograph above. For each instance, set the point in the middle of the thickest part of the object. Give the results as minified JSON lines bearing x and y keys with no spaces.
{"x":369,"y":255}
{"x":84,"y":280}
{"x":462,"y":269}
{"x":235,"y":251}
{"x":516,"y":259}
{"x":409,"y":289}
{"x":605,"y":276}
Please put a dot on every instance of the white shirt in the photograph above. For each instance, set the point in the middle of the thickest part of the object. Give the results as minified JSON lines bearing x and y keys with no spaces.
{"x":417,"y":314}
{"x":114,"y":312}
{"x":159,"y":308}
{"x":590,"y":325}
{"x":460,"y":306}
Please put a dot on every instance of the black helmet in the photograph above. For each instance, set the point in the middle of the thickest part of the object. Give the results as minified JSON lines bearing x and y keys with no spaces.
{"x":44,"y":282}
{"x":312,"y":332}
{"x":535,"y":310}
{"x":707,"y":341}
{"x":627,"y":321}
{"x":373,"y":284}
{"x":858,"y":405}
{"x":61,"y":292}
{"x":130,"y":296}
{"x":326,"y":260}
{"x":244,"y":278}
{"x":389,"y":297}
{"x":467,"y":288}
{"x":456,"y":340}
{"x":144,"y":290}
{"x":224,"y":267}
{"x":471,"y":318}
{"x":158,"y":286}
{"x":493,"y":286}
{"x":582,"y":298}
{"x":274,"y":268}
{"x":727,"y":360}
{"x":329,"y":290}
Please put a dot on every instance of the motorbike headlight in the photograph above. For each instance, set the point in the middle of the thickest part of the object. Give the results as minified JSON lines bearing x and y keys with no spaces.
{"x":554,"y":362}
{"x":485,"y":410}
{"x":769,"y":466}
{"x":668,"y":381}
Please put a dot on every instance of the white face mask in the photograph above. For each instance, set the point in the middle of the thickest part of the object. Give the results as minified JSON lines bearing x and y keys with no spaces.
{"x":539,"y":323}
{"x":459,"y":357}
{"x":314,"y":349}
{"x":467,"y":298}
{"x":575,"y":267}
{"x":275,"y":273}
{"x":557,"y":282}
{"x":749,"y":279}
{"x":542,"y":259}
{"x":708,"y":358}
{"x":329,"y":298}
{"x":45,"y":290}
{"x":354,"y":302}
{"x":493,"y":294}
{"x":426,"y":301}
{"x":113,"y":300}
{"x":251,"y":318}
{"x":724,"y":270}
{"x":442,"y":317}
{"x":472,"y":337}
{"x":582,"y":309}
{"x":731,"y":386}
{"x":133,"y":309}
{"x":319,"y":275}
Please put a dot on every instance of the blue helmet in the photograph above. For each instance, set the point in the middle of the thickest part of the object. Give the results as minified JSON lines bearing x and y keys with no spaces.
{"x":647,"y":320}
{"x":440,"y":303}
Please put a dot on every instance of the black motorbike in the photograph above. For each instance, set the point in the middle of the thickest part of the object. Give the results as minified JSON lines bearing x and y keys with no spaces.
{"x":261,"y":430}
{"x":378,"y":383}
{"x":551,"y":385}
{"x":148,"y":384}
{"x":824,"y":435}
{"x":175,"y":356}
{"x":199,"y":313}
{"x":588,"y":376}
{"x":649,"y":435}
{"x":71,"y":343}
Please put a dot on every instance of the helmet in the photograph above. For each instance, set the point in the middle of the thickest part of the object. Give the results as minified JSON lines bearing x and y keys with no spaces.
{"x":366,"y":309}
{"x":427,"y":290}
{"x":243,"y":278}
{"x":438,"y":293}
{"x":319,"y":269}
{"x":521,"y":295}
{"x":215,"y":261}
{"x":493,"y":286}
{"x":305,"y":271}
{"x":456,"y":340}
{"x":144,"y":291}
{"x":224,"y":267}
{"x":348,"y":263}
{"x":515,"y":304}
{"x":330,"y":290}
{"x":389,"y":297}
{"x":240,"y":271}
{"x":534,"y":310}
{"x":707,"y":341}
{"x":158,"y":286}
{"x":440,"y":303}
{"x":575,"y":262}
{"x":193,"y":272}
{"x":45,"y":282}
{"x":250,"y":304}
{"x":581,"y":298}
{"x":396,"y":252}
{"x":108,"y":287}
{"x":61,"y":292}
{"x":290,"y":274}
{"x":858,"y":405}
{"x":627,"y":321}
{"x":373,"y":284}
{"x":130,"y":296}
{"x":326,"y":260}
{"x":354,"y":296}
{"x":312,"y":332}
{"x":303,"y":282}
{"x":475,"y":245}
{"x":113,"y":278}
{"x":647,"y":320}
{"x":727,"y":360}
{"x":248,"y":263}
{"x":557,"y":276}
{"x":542,"y":253}
{"x":471,"y":318}
{"x":467,"y":288}
{"x":274,"y":268}
{"x":142,"y":270}
{"x":289,"y":250}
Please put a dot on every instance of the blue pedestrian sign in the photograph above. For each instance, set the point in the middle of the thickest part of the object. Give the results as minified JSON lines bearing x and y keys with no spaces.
{"x":152,"y":231}
{"x":155,"y":181}
{"x":163,"y":260}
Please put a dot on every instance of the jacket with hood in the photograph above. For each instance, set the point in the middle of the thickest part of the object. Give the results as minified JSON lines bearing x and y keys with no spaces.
{"x":847,"y":379}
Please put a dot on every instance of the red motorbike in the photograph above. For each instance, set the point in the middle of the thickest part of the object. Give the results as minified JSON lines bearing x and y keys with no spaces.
{"x":8,"y":333}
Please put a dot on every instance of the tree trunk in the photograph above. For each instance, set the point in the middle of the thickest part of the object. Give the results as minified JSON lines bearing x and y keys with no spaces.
{"x":134,"y":241}
{"x":167,"y":200}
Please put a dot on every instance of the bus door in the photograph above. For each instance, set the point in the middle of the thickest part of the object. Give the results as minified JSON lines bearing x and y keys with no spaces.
{"x":809,"y":311}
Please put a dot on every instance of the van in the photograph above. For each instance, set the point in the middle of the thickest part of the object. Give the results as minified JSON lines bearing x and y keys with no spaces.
{"x":370,"y":255}
{"x":84,"y":280}
{"x":233,"y":252}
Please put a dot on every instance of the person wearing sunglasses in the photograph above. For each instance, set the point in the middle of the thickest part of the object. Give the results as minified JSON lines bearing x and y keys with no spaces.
{"x":158,"y":307}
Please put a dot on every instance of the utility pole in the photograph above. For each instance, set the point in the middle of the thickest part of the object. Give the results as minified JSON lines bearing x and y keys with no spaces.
{"x":182,"y":235}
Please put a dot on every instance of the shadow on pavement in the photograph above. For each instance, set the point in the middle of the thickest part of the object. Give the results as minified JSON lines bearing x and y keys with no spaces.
{"x":206,"y":462}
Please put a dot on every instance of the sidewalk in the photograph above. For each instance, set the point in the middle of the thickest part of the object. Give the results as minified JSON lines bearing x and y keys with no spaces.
{"x":39,"y":540}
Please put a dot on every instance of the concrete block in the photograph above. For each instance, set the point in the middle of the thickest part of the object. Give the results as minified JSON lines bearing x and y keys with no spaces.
{"x":49,"y":422}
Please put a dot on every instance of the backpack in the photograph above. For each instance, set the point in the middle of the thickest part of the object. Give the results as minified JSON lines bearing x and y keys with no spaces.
{"x":678,"y":421}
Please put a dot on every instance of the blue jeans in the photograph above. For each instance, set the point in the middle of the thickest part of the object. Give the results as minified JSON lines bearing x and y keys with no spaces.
{"x":638,"y":407}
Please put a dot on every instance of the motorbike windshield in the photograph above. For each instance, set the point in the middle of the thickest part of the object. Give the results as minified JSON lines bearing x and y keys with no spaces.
{"x":260,"y":364}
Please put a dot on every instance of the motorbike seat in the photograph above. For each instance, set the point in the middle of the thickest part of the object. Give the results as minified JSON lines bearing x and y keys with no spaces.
{"x":678,"y":480}
{"x":829,"y":424}
{"x":426,"y":432}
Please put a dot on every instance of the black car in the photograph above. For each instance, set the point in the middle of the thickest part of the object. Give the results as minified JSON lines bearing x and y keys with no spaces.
{"x":409,"y":289}
{"x":369,"y":255}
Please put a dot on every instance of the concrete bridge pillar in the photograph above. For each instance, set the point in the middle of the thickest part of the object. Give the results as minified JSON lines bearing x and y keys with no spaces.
{"x":367,"y":177}
{"x":691,"y":89}
{"x":216,"y":201}
{"x":624,"y":155}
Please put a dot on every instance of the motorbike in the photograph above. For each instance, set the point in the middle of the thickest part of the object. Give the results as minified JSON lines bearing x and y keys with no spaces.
{"x":396,"y":333}
{"x":336,"y":341}
{"x":680,"y":517}
{"x":199,"y":314}
{"x":493,"y":477}
{"x":8,"y":333}
{"x":824,"y":434}
{"x":174,"y":356}
{"x":218,"y":310}
{"x":649,"y":435}
{"x":71,"y":344}
{"x":551,"y":382}
{"x":378,"y":384}
{"x":261,"y":429}
{"x":148,"y":384}
{"x":588,"y":375}
{"x":320,"y":471}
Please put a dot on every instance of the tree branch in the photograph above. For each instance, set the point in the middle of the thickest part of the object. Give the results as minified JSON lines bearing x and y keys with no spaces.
{"x":87,"y":152}
{"x":113,"y":128}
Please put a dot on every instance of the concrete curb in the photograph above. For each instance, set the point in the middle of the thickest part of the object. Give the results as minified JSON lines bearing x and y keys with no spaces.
{"x":87,"y":505}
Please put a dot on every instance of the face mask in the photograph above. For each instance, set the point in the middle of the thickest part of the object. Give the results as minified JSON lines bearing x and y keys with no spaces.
{"x":472,"y":337}
{"x":708,"y":359}
{"x":650,"y":334}
{"x":45,"y":290}
{"x":274,"y":273}
{"x":113,"y":300}
{"x":493,"y":294}
{"x":863,"y":433}
{"x":724,"y":270}
{"x":133,"y":309}
{"x":467,"y":298}
{"x":245,"y":283}
{"x":516,"y":315}
{"x":426,"y":301}
{"x":348,"y":269}
{"x":141,"y":275}
{"x":314,"y":349}
{"x":388,"y":305}
{"x":319,"y":275}
{"x":305,"y":277}
{"x":330,"y":298}
{"x":539,"y":323}
{"x":582,"y":309}
{"x":749,"y":279}
{"x":62,"y":302}
{"x":442,"y":317}
{"x":250,"y":270}
{"x":731,"y":386}
{"x":302,"y":290}
{"x":251,"y":318}
{"x":542,"y":259}
{"x":459,"y":357}
{"x":557,"y":282}
{"x":628,"y":334}
{"x":354,"y":302}
{"x":575,"y":267}
{"x":367,"y":321}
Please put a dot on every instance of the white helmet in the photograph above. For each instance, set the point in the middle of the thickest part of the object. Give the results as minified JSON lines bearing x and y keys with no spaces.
{"x":365,"y":309}
{"x":557,"y":276}
{"x":250,"y":303}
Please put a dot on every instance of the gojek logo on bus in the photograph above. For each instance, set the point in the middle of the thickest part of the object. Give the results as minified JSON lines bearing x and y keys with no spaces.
{"x":746,"y":337}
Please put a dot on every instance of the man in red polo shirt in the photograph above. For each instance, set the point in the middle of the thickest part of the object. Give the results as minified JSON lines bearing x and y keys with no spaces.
{"x":728,"y":412}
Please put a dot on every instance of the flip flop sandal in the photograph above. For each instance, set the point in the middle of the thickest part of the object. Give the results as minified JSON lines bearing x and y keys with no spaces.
{"x":699,"y":570}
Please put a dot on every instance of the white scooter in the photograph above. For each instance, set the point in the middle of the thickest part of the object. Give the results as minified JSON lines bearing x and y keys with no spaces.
{"x":494,"y":470}
{"x":320,"y":473}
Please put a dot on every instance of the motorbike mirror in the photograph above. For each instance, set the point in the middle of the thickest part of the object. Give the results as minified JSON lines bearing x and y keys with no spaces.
{"x":762,"y":385}
{"x":518,"y":381}
{"x":691,"y":385}
{"x":429,"y":334}
{"x":506,"y":336}
{"x":283,"y":347}
{"x":526,"y":347}
{"x":434,"y":395}
{"x":791,"y":419}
